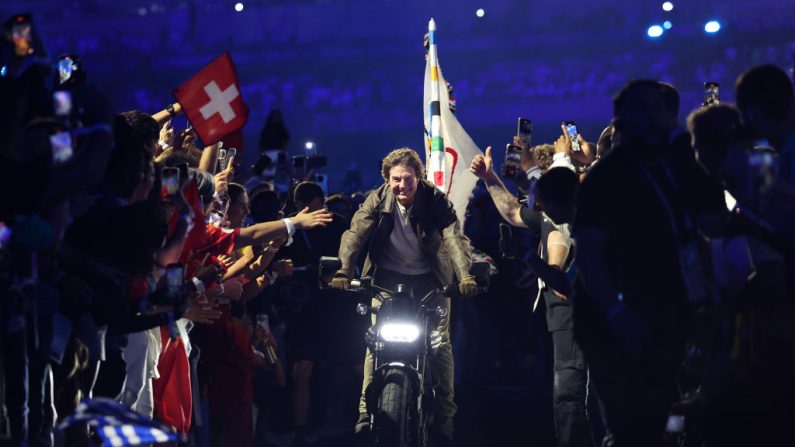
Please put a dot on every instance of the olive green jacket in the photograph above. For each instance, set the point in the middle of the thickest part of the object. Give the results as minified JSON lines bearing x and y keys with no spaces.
{"x":434,"y":222}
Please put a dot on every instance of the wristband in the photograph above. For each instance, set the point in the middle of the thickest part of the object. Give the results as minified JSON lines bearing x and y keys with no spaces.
{"x":199,"y":285}
{"x":290,"y":230}
{"x":171,"y":112}
{"x":163,"y":145}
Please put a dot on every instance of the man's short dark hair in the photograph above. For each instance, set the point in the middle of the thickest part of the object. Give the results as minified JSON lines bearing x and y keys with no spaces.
{"x":671,"y":98}
{"x":141,"y":128}
{"x":306,"y":192}
{"x":265,"y":206}
{"x":714,"y":128}
{"x":766,"y":87}
{"x":234,"y":191}
{"x":558,"y":185}
{"x":629,"y":89}
{"x":402,"y":156}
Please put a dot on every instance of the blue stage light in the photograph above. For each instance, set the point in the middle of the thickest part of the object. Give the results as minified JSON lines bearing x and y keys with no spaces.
{"x":238,"y":7}
{"x":668,"y":6}
{"x":667,"y":24}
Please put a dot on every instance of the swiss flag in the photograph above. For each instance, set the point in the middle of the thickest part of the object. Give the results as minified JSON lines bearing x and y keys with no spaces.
{"x":212,"y":100}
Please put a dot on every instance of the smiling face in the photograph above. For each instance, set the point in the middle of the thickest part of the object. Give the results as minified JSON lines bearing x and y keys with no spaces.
{"x":403,"y":183}
{"x":238,"y":210}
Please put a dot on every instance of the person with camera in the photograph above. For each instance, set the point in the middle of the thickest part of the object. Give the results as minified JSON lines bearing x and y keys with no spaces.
{"x":412,"y":237}
{"x":554,"y":194}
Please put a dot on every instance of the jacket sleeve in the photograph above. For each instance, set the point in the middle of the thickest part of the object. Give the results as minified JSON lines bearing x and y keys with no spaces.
{"x":453,"y":237}
{"x":362,"y":226}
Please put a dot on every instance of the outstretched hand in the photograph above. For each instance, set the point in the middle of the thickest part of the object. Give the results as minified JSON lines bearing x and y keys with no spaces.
{"x":306,"y":220}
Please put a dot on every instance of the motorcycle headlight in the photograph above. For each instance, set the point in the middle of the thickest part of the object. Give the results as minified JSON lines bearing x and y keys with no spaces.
{"x":399,"y":332}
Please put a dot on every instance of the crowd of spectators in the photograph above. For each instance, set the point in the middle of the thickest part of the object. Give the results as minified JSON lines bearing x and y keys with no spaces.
{"x":139,"y":265}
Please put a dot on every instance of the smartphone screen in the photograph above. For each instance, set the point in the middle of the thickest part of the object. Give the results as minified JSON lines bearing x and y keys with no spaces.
{"x":22,"y":36}
{"x":221,"y":159}
{"x":571,"y":131}
{"x":170,"y":182}
{"x":513,"y":158}
{"x":524,"y":129}
{"x":66,"y":67}
{"x":230,"y":157}
{"x":711,"y":93}
{"x":61,"y":145}
{"x":62,"y":103}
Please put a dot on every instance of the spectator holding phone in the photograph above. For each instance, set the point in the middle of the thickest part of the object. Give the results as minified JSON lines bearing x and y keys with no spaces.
{"x":554,"y":193}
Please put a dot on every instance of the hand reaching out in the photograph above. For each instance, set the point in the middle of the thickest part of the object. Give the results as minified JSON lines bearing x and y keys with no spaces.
{"x":306,"y":220}
{"x":283,"y":268}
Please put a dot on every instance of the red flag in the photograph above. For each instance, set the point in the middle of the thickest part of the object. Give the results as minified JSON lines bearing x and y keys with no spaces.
{"x":212,"y":100}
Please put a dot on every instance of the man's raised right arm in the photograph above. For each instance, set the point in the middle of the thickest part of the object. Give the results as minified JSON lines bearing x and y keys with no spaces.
{"x":507,"y":205}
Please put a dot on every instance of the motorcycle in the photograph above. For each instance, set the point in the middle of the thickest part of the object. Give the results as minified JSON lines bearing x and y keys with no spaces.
{"x":400,"y":397}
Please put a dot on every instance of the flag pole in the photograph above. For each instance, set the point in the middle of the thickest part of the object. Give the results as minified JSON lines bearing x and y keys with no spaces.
{"x":436,"y":158}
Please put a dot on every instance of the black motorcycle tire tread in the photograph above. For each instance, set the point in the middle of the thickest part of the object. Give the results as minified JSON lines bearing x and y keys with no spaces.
{"x":394,"y":406}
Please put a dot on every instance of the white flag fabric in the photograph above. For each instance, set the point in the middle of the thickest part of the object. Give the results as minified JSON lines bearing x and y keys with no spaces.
{"x":448,"y":148}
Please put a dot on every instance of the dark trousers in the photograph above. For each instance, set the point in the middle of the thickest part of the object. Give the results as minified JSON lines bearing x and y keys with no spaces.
{"x":570,"y":392}
{"x":636,"y":391}
{"x":441,"y":363}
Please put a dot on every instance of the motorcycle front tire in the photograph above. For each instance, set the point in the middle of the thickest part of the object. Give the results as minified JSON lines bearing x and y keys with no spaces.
{"x":396,"y":419}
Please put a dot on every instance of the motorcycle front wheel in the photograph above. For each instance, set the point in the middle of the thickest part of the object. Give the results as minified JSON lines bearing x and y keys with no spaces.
{"x":396,"y":418}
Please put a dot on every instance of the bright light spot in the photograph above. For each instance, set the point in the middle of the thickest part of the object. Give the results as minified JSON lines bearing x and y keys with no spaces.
{"x":667,"y":24}
{"x":142,"y":11}
{"x":655,"y":31}
{"x":309,"y":145}
{"x":668,"y":6}
{"x":713,"y":26}
{"x":480,"y":12}
{"x":238,"y":7}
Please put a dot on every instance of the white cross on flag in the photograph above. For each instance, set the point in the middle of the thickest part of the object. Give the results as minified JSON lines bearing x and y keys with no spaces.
{"x":212,"y":101}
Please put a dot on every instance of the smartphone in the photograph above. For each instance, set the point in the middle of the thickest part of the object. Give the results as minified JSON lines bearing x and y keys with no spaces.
{"x":218,"y":213}
{"x":175,"y":276}
{"x":711,"y":93}
{"x":170,"y":182}
{"x":524,"y":129}
{"x":221,"y":159}
{"x":571,"y":131}
{"x":513,"y":157}
{"x":22,"y":35}
{"x":61,"y":146}
{"x":68,"y":70}
{"x":62,"y":103}
{"x":225,"y":156}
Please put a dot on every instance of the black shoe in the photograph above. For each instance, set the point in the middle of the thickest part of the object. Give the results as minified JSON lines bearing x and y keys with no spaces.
{"x":362,"y":424}
{"x":441,"y":431}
